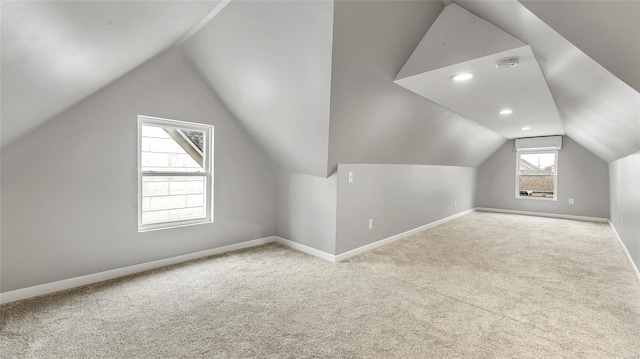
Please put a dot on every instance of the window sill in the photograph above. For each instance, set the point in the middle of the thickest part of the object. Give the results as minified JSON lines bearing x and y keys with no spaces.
{"x":538,"y":198}
{"x":176,"y":224}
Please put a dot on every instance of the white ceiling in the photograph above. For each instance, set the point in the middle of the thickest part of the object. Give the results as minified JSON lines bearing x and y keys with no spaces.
{"x":56,"y":53}
{"x":598,"y":110}
{"x":521,"y":89}
{"x":270,"y":62}
{"x":454,"y":37}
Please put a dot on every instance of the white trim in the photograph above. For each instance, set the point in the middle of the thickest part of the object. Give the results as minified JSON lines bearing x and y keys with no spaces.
{"x":65,"y":284}
{"x":340,"y":257}
{"x":540,"y":214}
{"x":176,"y":224}
{"x":626,"y":252}
{"x":370,"y":246}
{"x":171,"y":123}
{"x":207,"y":174}
{"x":555,"y":176}
{"x":306,"y":249}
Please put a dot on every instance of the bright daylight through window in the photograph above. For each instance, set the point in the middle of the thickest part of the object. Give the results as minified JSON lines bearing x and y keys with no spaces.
{"x":536,"y":175}
{"x":174,"y":173}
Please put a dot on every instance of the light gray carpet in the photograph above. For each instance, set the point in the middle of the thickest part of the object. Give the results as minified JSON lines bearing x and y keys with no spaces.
{"x":482,"y":286}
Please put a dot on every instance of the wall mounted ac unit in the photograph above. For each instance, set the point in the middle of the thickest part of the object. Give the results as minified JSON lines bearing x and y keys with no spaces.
{"x":549,"y":143}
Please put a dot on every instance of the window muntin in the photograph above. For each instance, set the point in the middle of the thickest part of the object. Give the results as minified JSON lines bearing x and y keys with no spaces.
{"x":174,"y":173}
{"x":536,"y":175}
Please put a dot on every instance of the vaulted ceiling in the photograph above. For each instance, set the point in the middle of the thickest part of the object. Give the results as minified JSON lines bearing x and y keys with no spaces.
{"x":270,"y":62}
{"x":56,"y":53}
{"x":598,"y":110}
{"x":312,"y":82}
{"x":373,"y":120}
{"x":607,"y":31}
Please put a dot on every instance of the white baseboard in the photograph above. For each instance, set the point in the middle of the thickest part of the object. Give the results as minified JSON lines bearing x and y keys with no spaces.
{"x":70,"y":283}
{"x":306,"y":249}
{"x":368,"y":247}
{"x":65,"y":284}
{"x":626,"y":252}
{"x":540,"y":214}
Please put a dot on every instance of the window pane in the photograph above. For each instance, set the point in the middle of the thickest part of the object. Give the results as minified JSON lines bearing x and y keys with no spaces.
{"x":537,"y":186}
{"x":173,"y":198}
{"x":171,"y":150}
{"x":538,"y":163}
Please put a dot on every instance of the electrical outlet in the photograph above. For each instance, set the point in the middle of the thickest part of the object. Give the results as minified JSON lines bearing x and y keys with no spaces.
{"x":350,"y":177}
{"x":455,"y":203}
{"x":570,"y":200}
{"x":370,"y":223}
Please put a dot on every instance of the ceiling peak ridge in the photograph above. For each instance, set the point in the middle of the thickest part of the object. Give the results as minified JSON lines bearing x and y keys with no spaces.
{"x":215,"y":10}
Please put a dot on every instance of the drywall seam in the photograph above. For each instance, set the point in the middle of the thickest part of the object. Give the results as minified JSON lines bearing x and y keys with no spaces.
{"x":306,"y":249}
{"x":65,"y":284}
{"x":626,"y":252}
{"x":370,"y":246}
{"x":540,"y":214}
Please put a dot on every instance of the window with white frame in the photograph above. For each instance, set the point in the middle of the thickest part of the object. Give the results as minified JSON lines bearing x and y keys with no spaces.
{"x":537,"y":175}
{"x":174,"y":173}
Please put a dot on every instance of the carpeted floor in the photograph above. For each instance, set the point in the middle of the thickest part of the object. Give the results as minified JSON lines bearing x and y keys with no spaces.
{"x":482,"y":286}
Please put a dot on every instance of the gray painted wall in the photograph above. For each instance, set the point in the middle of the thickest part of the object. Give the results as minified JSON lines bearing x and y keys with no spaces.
{"x":69,"y":188}
{"x":373,"y":120}
{"x":581,"y":176}
{"x":591,"y":26}
{"x":270,"y":62}
{"x":625,"y":202}
{"x":398,"y":198}
{"x":306,"y":210}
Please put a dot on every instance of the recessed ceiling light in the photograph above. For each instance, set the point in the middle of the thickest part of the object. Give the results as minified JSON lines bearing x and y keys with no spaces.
{"x":462,"y":77}
{"x":506,"y":111}
{"x":525,"y":128}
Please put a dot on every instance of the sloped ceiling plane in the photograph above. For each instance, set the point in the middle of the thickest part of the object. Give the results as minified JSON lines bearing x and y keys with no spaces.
{"x":313,"y":82}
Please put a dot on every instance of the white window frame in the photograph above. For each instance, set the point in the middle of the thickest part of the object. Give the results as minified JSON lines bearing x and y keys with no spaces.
{"x":555,"y":177}
{"x":207,"y":161}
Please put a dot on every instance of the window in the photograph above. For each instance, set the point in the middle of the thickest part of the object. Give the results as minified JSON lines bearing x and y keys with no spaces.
{"x":174,"y":173}
{"x":536,"y":175}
